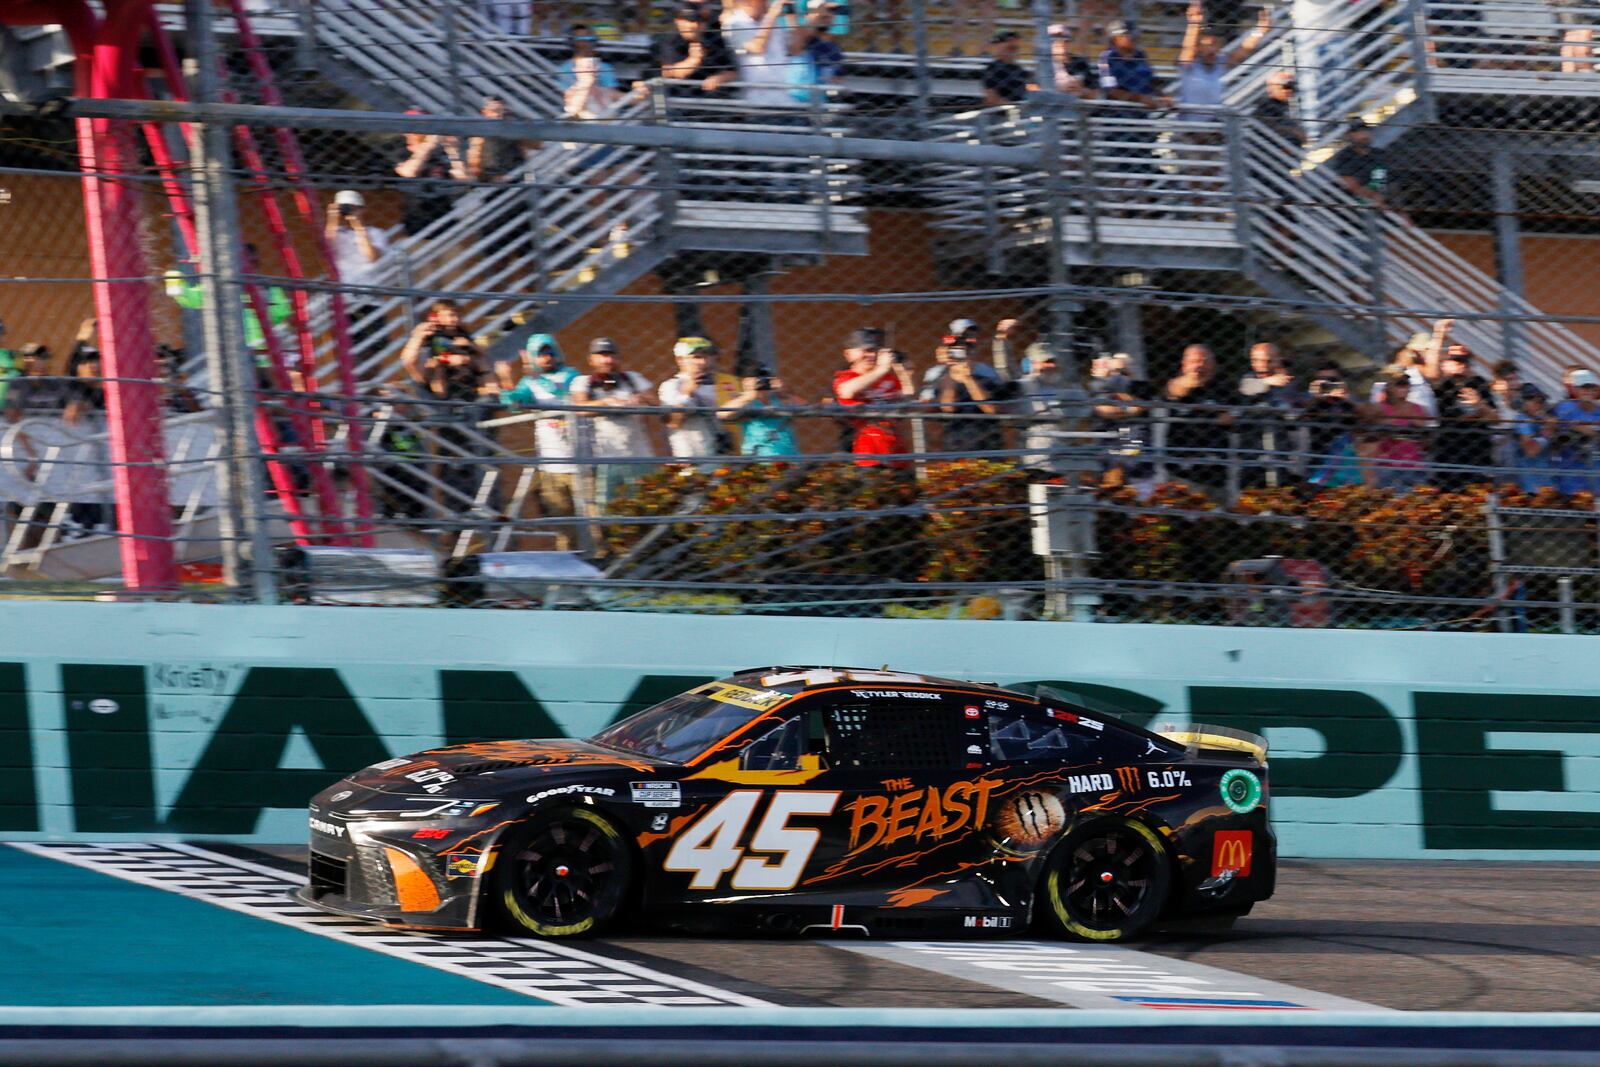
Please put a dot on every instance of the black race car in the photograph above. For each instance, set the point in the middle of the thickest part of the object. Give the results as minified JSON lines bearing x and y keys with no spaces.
{"x":806,"y":798}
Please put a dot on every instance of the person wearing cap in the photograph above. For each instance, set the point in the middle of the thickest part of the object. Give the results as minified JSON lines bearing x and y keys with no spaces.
{"x":1276,"y":113}
{"x":547,"y":380}
{"x":608,"y":386}
{"x":1004,"y":81}
{"x":1040,"y":393}
{"x":763,"y":412}
{"x":1577,"y":457}
{"x":1074,"y":73}
{"x":1535,"y":433}
{"x":822,"y":60}
{"x":695,"y":55}
{"x":1359,"y":166}
{"x":1411,"y":361}
{"x":358,"y":252}
{"x":698,"y":392}
{"x":1125,"y":71}
{"x":1465,"y":442}
{"x":586,"y":72}
{"x":876,"y":375}
{"x":966,"y":391}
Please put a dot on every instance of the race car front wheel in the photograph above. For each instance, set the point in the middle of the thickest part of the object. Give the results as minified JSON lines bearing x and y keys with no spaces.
{"x":562,"y":874}
{"x":1106,"y":881}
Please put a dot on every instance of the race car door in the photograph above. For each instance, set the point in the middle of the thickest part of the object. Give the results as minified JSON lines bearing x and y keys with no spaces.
{"x":910,"y":767}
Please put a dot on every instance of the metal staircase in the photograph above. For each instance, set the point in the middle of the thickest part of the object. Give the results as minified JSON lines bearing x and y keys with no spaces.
{"x":575,"y":224}
{"x":1149,"y":191}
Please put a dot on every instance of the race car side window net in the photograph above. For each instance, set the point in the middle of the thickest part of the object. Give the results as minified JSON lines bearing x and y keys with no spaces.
{"x":894,"y":735}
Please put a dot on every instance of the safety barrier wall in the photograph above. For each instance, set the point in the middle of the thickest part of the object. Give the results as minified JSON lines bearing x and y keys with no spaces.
{"x":159,"y":720}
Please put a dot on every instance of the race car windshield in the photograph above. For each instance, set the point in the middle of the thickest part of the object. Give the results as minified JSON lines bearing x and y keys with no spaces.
{"x":678,"y":729}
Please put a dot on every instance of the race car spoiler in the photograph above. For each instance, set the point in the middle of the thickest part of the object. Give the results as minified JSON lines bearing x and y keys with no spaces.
{"x":1206,"y":735}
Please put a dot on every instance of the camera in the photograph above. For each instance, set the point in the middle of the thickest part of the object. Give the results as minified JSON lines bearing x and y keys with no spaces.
{"x":956,"y":353}
{"x":346,"y":210}
{"x":763,"y":385}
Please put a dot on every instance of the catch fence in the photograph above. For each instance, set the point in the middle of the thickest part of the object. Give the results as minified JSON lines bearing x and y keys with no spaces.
{"x":1111,"y":361}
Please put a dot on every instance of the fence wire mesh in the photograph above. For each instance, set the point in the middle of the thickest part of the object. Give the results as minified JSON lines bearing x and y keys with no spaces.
{"x":1170,"y":340}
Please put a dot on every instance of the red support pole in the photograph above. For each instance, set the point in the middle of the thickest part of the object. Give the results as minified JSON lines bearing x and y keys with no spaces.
{"x":107,"y":66}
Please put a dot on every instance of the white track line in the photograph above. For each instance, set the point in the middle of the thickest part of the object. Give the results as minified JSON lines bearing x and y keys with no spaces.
{"x":549,"y":971}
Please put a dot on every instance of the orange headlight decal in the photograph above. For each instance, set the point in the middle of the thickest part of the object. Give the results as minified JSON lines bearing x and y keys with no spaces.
{"x":411,"y":883}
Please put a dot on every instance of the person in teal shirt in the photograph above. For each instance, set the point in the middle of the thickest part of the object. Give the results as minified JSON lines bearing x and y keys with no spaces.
{"x":768,"y":428}
{"x":546,"y":380}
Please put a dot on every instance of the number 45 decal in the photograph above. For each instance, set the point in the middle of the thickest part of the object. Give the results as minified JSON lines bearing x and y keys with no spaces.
{"x":710,"y":847}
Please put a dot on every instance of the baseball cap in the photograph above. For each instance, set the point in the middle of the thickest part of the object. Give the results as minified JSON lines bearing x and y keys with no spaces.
{"x":602,"y":344}
{"x":1529,"y":391}
{"x":1584,"y":377}
{"x":1004,"y":35}
{"x":1119,"y":29}
{"x":688,"y":345}
{"x":1061,"y":29}
{"x":961,"y":326}
{"x":865,"y":337}
{"x":349,"y":198}
{"x":689,"y":13}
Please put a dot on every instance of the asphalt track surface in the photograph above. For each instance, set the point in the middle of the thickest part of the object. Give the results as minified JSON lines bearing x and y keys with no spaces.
{"x":1397,"y":935}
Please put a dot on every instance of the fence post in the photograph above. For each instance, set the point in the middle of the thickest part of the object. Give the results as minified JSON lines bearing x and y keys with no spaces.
{"x":820,"y":167}
{"x":1497,"y":559}
{"x":452,"y":50}
{"x":1239,"y":182}
{"x":1375,"y":252}
{"x":229,"y":364}
{"x":1417,"y":38}
{"x":1056,"y":207}
{"x":666,"y":163}
{"x":919,"y":38}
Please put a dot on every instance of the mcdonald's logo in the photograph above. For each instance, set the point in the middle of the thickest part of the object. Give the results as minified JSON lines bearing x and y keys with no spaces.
{"x":1128,"y":779}
{"x":1231,"y":851}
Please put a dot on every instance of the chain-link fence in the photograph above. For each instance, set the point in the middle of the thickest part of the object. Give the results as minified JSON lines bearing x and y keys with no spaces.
{"x":712,"y":323}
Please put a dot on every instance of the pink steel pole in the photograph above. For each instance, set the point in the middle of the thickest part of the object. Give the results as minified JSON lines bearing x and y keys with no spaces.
{"x":305,"y":201}
{"x":309,"y":427}
{"x":107,"y":67}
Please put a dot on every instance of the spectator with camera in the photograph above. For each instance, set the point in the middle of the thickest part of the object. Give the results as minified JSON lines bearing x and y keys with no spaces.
{"x":1464,"y":448}
{"x":1332,"y":419}
{"x":877,"y":376}
{"x":432,"y":163}
{"x":1074,"y":73}
{"x":697,"y":391}
{"x":966,"y":392}
{"x":547,"y":380}
{"x":765,"y":42}
{"x":613,"y":434}
{"x":1269,"y":389}
{"x":431,"y":338}
{"x":1276,"y":112}
{"x":1398,"y":430}
{"x":358,"y":256}
{"x":1576,"y":457}
{"x":822,"y":60}
{"x":763,"y":412}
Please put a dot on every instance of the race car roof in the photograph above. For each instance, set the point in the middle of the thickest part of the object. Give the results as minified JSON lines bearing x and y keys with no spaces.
{"x":797,"y":679}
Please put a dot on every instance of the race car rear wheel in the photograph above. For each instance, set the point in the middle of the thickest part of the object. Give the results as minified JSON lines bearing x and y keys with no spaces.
{"x":563,"y":874}
{"x":1106,"y":881}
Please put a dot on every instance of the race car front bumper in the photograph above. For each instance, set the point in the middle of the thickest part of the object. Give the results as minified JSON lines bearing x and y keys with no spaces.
{"x":388,"y":884}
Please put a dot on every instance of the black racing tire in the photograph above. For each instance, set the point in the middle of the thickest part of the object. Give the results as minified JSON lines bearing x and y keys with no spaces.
{"x":563,"y":873}
{"x":1107,"y":880}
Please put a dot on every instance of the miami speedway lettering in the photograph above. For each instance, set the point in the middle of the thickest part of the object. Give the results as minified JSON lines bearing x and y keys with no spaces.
{"x":118,"y":748}
{"x":920,"y":814}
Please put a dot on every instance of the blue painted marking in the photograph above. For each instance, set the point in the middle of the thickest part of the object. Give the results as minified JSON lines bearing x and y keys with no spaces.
{"x":78,"y":938}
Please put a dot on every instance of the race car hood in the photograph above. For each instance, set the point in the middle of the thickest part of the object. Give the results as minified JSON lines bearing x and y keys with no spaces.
{"x":463,"y":769}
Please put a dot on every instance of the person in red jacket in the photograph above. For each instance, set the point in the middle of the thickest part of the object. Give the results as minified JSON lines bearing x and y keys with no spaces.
{"x":877,"y":375}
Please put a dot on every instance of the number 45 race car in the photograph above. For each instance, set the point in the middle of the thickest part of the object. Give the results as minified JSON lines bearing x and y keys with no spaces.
{"x":789,"y":799}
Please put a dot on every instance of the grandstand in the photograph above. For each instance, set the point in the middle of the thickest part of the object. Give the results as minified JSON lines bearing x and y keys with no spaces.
{"x":190,"y":201}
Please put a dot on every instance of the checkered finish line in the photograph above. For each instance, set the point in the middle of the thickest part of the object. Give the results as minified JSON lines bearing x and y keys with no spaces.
{"x":551,"y":972}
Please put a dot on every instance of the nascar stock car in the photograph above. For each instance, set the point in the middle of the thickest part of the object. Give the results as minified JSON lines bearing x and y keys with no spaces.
{"x":804,"y":798}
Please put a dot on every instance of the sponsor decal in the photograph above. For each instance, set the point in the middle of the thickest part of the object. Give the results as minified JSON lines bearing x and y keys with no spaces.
{"x":1128,"y":779}
{"x":895,"y":785}
{"x":656,"y":794}
{"x":1241,"y":790}
{"x":918,"y":814}
{"x":903,"y":694}
{"x":743,"y":697}
{"x":986,"y":922}
{"x":998,"y":705}
{"x":390,"y":764}
{"x":569,"y":789}
{"x":1231,"y":852}
{"x":461,"y":864}
{"x":189,"y":678}
{"x":104,"y":706}
{"x":974,"y":750}
{"x":1090,"y":783}
{"x":343,"y":794}
{"x":323,"y":827}
{"x":971,"y":712}
{"x":1064,"y":716}
{"x":430,"y":834}
{"x":1091,"y":723}
{"x":659,"y":822}
{"x":431,"y":779}
{"x":1166,"y":779}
